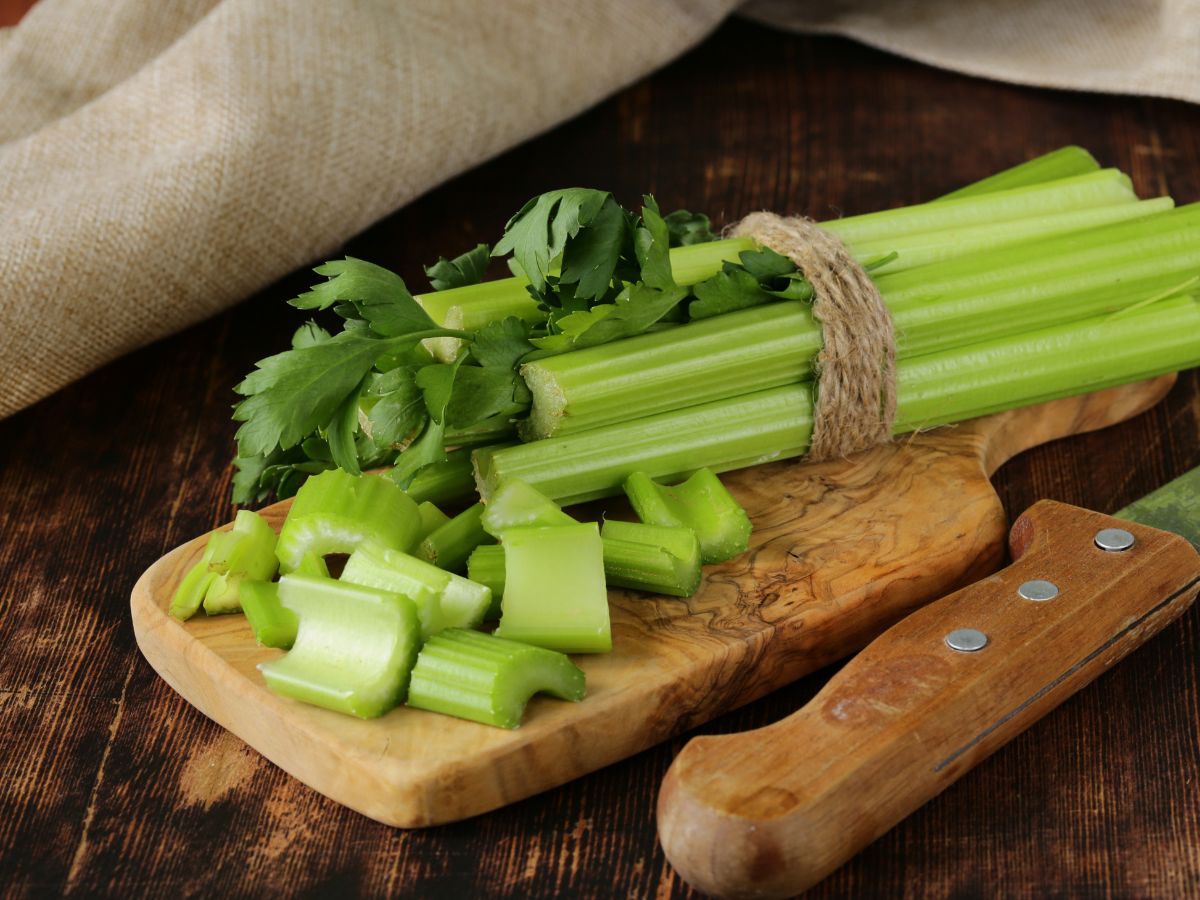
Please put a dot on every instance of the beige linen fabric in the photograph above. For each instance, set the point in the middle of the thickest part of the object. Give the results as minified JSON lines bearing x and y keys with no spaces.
{"x":161,"y":161}
{"x":1121,"y":46}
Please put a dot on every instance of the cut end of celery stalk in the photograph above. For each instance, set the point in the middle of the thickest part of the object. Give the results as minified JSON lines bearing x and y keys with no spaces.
{"x":448,"y":546}
{"x":354,"y":647}
{"x":518,"y":505}
{"x":554,"y":589}
{"x":273,"y":624}
{"x":488,"y":679}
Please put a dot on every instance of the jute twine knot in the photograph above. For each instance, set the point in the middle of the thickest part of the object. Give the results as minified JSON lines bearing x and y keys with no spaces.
{"x":856,"y":369}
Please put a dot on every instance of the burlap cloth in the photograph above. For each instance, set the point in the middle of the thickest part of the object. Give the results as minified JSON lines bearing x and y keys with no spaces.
{"x":161,"y":161}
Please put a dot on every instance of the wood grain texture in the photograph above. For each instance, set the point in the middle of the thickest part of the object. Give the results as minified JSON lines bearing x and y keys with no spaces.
{"x":110,"y":784}
{"x":840,"y":550}
{"x":771,"y":812}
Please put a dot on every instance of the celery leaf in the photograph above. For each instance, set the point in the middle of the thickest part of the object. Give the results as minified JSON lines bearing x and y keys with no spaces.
{"x":363,"y":290}
{"x":501,"y":344}
{"x":540,"y":230}
{"x":467,"y":268}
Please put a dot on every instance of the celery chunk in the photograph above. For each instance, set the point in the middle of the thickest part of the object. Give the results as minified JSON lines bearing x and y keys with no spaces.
{"x":554,"y":592}
{"x":354,"y":647}
{"x":272,"y":623}
{"x":488,"y":679}
{"x":244,"y":553}
{"x":662,"y":559}
{"x":190,"y":593}
{"x":334,"y":512}
{"x":450,"y":481}
{"x":443,"y":599}
{"x":486,"y":566}
{"x":449,"y":546}
{"x":517,"y":505}
{"x":432,"y":519}
{"x":312,"y":564}
{"x":702,"y":504}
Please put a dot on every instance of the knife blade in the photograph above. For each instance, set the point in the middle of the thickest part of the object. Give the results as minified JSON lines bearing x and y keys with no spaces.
{"x":773,"y":811}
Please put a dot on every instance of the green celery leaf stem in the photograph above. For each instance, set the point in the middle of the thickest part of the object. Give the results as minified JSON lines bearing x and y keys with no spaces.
{"x":449,"y":546}
{"x":949,"y":386}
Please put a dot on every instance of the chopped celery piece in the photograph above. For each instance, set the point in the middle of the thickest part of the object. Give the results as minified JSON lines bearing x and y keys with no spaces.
{"x":443,"y":599}
{"x":702,"y":504}
{"x":354,"y":648}
{"x":312,"y":564}
{"x":486,"y":566}
{"x":445,"y":482}
{"x":190,"y":593}
{"x":554,"y":591}
{"x":663,"y":559}
{"x":245,"y":552}
{"x":517,"y":505}
{"x":334,"y":512}
{"x":273,"y":624}
{"x":432,"y":519}
{"x":449,"y":546}
{"x":488,"y":679}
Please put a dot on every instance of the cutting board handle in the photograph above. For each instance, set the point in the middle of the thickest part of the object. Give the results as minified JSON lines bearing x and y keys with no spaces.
{"x":771,"y":812}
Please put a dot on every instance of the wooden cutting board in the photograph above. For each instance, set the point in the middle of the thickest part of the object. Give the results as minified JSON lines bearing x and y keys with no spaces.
{"x":840,"y":551}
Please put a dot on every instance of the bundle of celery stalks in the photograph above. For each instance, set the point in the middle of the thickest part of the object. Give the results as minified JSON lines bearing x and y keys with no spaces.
{"x":626,"y":351}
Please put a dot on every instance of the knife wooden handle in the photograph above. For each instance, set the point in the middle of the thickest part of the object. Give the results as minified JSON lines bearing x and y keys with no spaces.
{"x":772,"y":811}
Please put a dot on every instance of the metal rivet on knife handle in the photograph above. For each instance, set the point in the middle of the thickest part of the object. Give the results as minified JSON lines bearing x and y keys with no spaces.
{"x":966,"y":640}
{"x":1038,"y":589}
{"x":1114,"y":540}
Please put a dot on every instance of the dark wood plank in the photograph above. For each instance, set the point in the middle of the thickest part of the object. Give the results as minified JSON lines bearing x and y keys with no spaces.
{"x":111,"y":784}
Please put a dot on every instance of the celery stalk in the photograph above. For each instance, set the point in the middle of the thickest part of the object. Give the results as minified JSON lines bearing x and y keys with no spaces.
{"x":951,"y":385}
{"x":936,"y":308}
{"x":655,"y":558}
{"x":312,"y":564}
{"x":244,"y":553}
{"x":701,"y":504}
{"x":446,"y":482}
{"x":334,"y":512}
{"x":486,"y":566}
{"x":488,"y":679}
{"x":432,"y":519}
{"x":1064,"y":162}
{"x":517,"y":505}
{"x":554,"y":592}
{"x":1033,"y":189}
{"x":273,"y":624}
{"x":190,"y":593}
{"x":662,"y":560}
{"x":354,"y":646}
{"x":449,"y":546}
{"x":442,"y":599}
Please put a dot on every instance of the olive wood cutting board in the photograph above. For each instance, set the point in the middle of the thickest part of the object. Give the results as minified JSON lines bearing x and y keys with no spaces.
{"x":840,"y":551}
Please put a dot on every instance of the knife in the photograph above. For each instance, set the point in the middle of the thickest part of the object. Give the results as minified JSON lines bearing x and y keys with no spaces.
{"x":770,"y":812}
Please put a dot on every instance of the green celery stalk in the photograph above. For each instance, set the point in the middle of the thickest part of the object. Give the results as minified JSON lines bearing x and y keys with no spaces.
{"x":936,"y":308}
{"x":517,"y":505}
{"x":312,"y":564}
{"x":1026,"y":194}
{"x":444,"y":483}
{"x":449,"y":546}
{"x":432,"y":519}
{"x":273,"y":624}
{"x":663,"y":560}
{"x":195,"y":584}
{"x":656,"y":558}
{"x":701,"y":504}
{"x":486,"y":566}
{"x":554,"y":591}
{"x":442,"y":599}
{"x":335,"y":511}
{"x":948,"y":386}
{"x":354,"y":648}
{"x":488,"y":679}
{"x":1064,"y":162}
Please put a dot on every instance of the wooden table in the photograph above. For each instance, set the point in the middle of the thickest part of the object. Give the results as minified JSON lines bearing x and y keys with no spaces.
{"x":109,"y":783}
